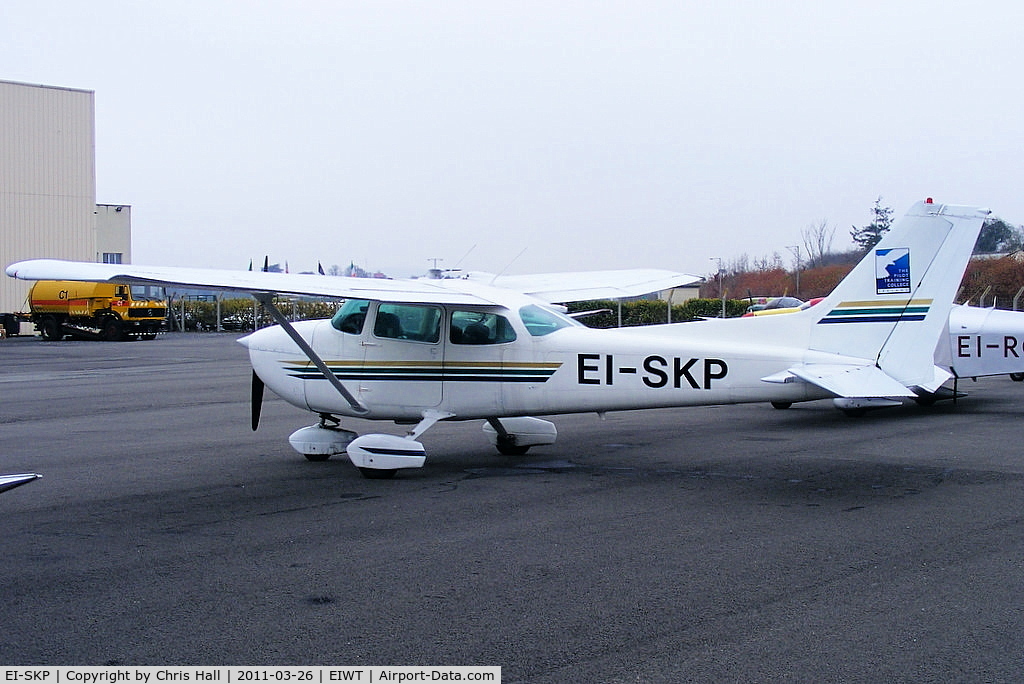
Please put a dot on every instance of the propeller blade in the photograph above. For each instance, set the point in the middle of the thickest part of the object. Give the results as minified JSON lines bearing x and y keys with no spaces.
{"x":257,"y":400}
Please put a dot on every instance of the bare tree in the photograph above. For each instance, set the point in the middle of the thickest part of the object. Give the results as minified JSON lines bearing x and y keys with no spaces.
{"x":818,"y":241}
{"x":740,"y":264}
{"x":768,"y":263}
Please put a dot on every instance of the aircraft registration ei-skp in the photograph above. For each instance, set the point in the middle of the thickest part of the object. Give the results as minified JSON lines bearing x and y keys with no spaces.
{"x":420,"y":351}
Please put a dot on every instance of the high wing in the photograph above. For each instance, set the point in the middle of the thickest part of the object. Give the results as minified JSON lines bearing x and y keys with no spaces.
{"x":412,"y":291}
{"x":552,"y":287}
{"x":590,"y":285}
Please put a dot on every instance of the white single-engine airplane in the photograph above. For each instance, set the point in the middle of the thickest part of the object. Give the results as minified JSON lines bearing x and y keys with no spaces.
{"x":421,"y":351}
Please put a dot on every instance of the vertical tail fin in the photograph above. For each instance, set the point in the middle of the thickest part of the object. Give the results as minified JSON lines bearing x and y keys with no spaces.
{"x":895,"y":303}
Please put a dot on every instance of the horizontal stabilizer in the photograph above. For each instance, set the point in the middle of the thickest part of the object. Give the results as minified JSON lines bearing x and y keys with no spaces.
{"x":846,"y":380}
{"x":941,"y":376}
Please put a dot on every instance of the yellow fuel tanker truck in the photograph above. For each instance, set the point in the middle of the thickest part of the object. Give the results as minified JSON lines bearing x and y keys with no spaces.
{"x":108,"y":311}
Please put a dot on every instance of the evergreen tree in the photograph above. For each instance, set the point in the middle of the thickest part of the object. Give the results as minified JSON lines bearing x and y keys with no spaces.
{"x":998,"y":236}
{"x":870,"y":235}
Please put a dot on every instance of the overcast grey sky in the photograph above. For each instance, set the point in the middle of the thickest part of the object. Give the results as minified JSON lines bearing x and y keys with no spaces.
{"x":589,"y":134}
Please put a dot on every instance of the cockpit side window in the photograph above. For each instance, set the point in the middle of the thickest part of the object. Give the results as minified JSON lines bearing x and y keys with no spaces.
{"x":351,"y":316}
{"x":540,"y":321}
{"x":408,"y":322}
{"x":478,"y":327}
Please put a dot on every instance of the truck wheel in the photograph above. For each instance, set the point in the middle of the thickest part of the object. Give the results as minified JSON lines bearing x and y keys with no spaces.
{"x":10,"y":324}
{"x":49,"y":328}
{"x":113,"y":330}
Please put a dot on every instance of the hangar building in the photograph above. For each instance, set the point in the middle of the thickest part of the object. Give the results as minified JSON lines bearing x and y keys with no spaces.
{"x":48,"y":185}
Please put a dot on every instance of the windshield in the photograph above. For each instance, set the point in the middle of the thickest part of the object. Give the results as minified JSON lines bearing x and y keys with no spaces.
{"x":540,"y":321}
{"x":148,"y":293}
{"x":351,"y":316}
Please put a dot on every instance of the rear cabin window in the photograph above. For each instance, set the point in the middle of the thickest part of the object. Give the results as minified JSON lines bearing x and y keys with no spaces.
{"x":477,"y":327}
{"x":408,"y":322}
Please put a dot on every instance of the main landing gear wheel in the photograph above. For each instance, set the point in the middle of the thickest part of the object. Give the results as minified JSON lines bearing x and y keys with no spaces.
{"x":781,"y":405}
{"x":317,"y":458}
{"x":515,"y":436}
{"x":378,"y":473}
{"x":511,"y":449}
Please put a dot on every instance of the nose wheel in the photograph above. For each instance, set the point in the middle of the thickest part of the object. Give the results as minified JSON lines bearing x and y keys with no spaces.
{"x":321,"y":441}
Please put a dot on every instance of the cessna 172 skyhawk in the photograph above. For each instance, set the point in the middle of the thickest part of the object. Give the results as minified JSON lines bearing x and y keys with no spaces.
{"x":421,"y":351}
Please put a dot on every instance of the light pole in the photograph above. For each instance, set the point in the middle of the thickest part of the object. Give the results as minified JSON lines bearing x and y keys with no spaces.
{"x":721,"y":290}
{"x":796,"y":251}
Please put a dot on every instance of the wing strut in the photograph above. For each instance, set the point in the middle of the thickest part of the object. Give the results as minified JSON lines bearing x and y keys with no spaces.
{"x":267,"y":300}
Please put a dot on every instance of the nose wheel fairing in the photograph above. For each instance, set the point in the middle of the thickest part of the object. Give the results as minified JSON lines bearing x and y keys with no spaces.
{"x":320,"y":442}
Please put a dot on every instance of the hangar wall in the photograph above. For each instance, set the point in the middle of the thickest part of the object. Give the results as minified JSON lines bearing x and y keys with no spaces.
{"x":47,"y":179}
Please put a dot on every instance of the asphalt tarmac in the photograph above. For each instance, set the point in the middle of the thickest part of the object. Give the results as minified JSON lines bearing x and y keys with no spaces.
{"x":732,"y":543}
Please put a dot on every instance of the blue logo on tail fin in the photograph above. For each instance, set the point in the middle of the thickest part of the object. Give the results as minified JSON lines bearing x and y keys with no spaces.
{"x":892,"y":271}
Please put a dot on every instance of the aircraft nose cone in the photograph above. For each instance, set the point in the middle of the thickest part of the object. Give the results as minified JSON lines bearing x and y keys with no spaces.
{"x":274,"y":338}
{"x":264,"y":339}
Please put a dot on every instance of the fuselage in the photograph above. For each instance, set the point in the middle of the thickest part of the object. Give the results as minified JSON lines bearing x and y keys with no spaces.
{"x":483,"y":362}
